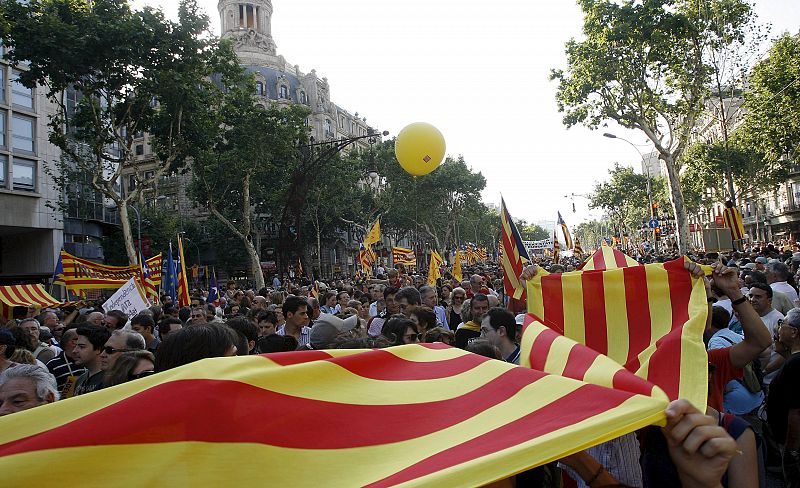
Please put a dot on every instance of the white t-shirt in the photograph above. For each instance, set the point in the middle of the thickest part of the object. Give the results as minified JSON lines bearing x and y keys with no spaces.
{"x":771,"y":320}
{"x":786,"y":289}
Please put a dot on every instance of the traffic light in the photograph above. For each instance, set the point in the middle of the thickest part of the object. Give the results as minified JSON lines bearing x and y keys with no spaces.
{"x":658,"y":232}
{"x":655,"y":209}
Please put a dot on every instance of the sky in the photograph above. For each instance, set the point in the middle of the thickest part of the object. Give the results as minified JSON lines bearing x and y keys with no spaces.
{"x":478,"y":71}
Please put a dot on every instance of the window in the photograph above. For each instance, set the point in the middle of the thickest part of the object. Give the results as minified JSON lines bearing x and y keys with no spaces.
{"x":148,"y":175}
{"x":24,"y":174}
{"x":2,"y":84}
{"x":20,"y":95}
{"x":283,"y":92}
{"x":303,"y":98}
{"x":23,"y":133}
{"x":341,"y":122}
{"x":131,"y":182}
{"x":2,"y":129}
{"x":259,"y":88}
{"x":139,"y":149}
{"x":3,"y":170}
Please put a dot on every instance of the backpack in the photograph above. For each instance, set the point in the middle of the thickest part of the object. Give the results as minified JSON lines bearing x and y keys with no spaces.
{"x":752,"y":377}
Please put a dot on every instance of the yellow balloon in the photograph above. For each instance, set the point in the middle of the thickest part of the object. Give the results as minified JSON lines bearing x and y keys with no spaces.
{"x":419,"y":148}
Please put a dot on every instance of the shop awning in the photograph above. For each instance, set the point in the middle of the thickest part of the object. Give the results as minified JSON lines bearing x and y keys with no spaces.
{"x":24,"y":296}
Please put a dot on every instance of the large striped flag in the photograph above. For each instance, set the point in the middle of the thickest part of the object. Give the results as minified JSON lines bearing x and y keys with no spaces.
{"x":648,"y":320}
{"x":565,"y":230}
{"x":733,"y":221}
{"x":607,"y":257}
{"x":484,"y":420}
{"x":514,"y":255}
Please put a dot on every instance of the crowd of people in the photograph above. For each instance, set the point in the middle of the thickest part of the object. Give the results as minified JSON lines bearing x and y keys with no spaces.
{"x":750,"y":429}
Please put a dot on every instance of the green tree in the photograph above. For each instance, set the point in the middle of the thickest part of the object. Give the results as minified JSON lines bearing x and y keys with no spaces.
{"x":642,"y":65}
{"x":624,"y":198}
{"x":243,"y":173}
{"x":431,"y":205}
{"x":772,"y":101}
{"x":133,"y":71}
{"x":706,"y":167}
{"x":531,"y":232}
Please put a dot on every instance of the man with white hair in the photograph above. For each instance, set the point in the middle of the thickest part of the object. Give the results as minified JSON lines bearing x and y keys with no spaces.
{"x":26,"y":386}
{"x":777,"y":276}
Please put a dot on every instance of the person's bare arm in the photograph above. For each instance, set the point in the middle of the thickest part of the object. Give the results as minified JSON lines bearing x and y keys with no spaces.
{"x":756,"y":336}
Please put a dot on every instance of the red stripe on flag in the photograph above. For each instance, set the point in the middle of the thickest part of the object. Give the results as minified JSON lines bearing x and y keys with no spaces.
{"x":541,"y":348}
{"x":594,"y":311}
{"x":579,"y":361}
{"x":297,"y":357}
{"x":669,"y":347}
{"x":598,"y":259}
{"x":394,"y":368}
{"x":582,"y":404}
{"x":619,"y":258}
{"x":638,"y":310}
{"x":626,"y":381}
{"x":319,"y":424}
{"x":553,"y":299}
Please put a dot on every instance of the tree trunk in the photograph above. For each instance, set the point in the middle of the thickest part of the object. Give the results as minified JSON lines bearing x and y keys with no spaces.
{"x":678,"y":206}
{"x":127,"y":234}
{"x":255,"y":264}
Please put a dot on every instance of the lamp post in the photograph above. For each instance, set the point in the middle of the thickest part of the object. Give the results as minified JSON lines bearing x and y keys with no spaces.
{"x":647,"y":170}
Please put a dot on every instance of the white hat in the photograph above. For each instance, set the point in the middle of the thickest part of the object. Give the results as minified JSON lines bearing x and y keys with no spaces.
{"x":327,"y":327}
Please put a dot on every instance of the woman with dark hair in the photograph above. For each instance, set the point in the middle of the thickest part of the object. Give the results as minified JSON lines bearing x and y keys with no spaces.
{"x":400,"y":330}
{"x":424,"y":318}
{"x":130,"y":366}
{"x":194,"y":343}
{"x":7,"y":347}
{"x":328,"y":303}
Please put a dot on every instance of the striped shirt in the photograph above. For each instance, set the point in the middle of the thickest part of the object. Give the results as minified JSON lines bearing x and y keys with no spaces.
{"x":305,"y":334}
{"x":62,"y":368}
{"x":620,"y":457}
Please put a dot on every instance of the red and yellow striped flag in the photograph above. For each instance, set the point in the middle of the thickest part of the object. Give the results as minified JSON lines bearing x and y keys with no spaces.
{"x":483,"y":420}
{"x":183,"y":282}
{"x":607,"y":257}
{"x":733,"y":221}
{"x":648,"y":320}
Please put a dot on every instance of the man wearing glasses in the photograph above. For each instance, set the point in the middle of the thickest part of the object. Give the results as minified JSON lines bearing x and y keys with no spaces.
{"x":783,"y":401}
{"x":88,"y":348}
{"x":119,"y":342}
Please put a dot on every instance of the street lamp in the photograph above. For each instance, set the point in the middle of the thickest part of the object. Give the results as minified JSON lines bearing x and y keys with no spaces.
{"x":647,"y":169}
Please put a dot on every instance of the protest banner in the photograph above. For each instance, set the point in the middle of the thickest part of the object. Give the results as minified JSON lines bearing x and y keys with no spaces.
{"x":129,"y":299}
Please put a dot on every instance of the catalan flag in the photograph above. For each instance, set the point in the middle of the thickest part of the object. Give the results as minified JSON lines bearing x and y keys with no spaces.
{"x":484,"y":421}
{"x":514,"y":255}
{"x":647,"y":320}
{"x":364,"y":260}
{"x":733,"y":221}
{"x":565,"y":231}
{"x":81,"y":274}
{"x":404,"y":256}
{"x":556,"y":248}
{"x":607,"y":257}
{"x":151,"y":276}
{"x":457,"y":273}
{"x":434,"y":272}
{"x":374,"y":234}
{"x":183,"y":282}
{"x":578,"y":251}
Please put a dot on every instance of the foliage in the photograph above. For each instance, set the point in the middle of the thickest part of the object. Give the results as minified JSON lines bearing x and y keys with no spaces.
{"x":772,"y":101}
{"x":129,"y":71}
{"x":531,"y":232}
{"x":624,"y":197}
{"x":243,"y":174}
{"x":642,"y":64}
{"x":706,"y":164}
